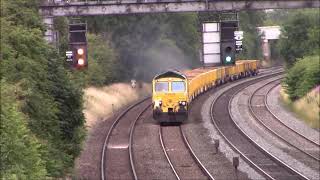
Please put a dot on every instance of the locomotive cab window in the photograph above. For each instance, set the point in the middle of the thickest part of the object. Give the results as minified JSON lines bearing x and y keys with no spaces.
{"x":178,"y":86}
{"x":161,"y":86}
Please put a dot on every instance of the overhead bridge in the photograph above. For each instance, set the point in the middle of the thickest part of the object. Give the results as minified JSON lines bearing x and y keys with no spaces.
{"x":113,"y":7}
{"x":53,"y":8}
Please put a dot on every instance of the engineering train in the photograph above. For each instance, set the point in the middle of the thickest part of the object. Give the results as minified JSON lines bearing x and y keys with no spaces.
{"x":173,"y":91}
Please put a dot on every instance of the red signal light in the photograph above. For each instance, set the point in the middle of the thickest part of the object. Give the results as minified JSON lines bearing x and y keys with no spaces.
{"x":80,"y":51}
{"x":80,"y":59}
{"x":80,"y":62}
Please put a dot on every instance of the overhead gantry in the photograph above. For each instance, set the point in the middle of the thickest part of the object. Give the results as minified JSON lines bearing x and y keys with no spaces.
{"x":87,"y":8}
{"x":52,"y":8}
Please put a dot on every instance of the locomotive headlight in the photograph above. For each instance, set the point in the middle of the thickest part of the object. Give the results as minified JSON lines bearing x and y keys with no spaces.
{"x":157,"y":103}
{"x":183,"y":103}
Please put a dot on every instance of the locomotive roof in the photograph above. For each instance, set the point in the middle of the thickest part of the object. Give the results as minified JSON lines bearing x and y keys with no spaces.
{"x":170,"y":73}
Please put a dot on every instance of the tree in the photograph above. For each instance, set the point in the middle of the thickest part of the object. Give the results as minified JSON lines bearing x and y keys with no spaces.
{"x":20,"y":154}
{"x":45,"y":93}
{"x":104,"y":67}
{"x":249,"y":21}
{"x":300,"y":35}
{"x":302,"y":77}
{"x":132,"y":36}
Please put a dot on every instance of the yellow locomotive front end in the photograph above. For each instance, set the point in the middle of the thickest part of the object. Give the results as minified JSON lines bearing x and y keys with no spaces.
{"x":170,"y":97}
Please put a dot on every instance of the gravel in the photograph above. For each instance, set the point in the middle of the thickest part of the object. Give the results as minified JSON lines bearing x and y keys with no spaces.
{"x":150,"y":161}
{"x":184,"y":164}
{"x":288,"y":117}
{"x":240,"y":113}
{"x":117,"y":162}
{"x":199,"y":138}
{"x":147,"y":146}
{"x":214,"y":134}
{"x":87,"y":165}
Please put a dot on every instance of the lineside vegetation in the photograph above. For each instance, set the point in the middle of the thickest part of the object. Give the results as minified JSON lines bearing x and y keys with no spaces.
{"x":299,"y":46}
{"x":42,"y":124}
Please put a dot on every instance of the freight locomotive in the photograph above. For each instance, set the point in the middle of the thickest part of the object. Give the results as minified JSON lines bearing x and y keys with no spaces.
{"x":173,"y":91}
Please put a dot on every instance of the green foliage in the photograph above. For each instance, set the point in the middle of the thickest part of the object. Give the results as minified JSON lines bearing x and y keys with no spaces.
{"x":274,"y":50}
{"x":249,"y":21}
{"x":21,"y":12}
{"x":103,"y":67}
{"x":48,"y":98}
{"x":25,"y":63}
{"x":68,"y":97}
{"x":300,"y":35}
{"x":302,"y":77}
{"x":131,"y":36}
{"x":184,"y":32}
{"x":314,"y":39}
{"x":61,"y":26}
{"x":276,"y":17}
{"x":20,"y":154}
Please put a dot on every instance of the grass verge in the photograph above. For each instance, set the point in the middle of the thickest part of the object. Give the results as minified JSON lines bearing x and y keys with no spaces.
{"x":306,"y":108}
{"x":101,"y":103}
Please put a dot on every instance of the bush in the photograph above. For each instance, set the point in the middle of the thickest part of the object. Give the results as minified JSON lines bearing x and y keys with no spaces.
{"x":20,"y":154}
{"x":300,"y":36}
{"x":49,"y":101}
{"x":131,"y":36}
{"x":302,"y":77}
{"x":251,"y":42}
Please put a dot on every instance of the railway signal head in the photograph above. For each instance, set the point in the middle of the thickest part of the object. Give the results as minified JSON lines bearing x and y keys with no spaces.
{"x":78,"y":45}
{"x":80,"y":59}
{"x":228,"y":53}
{"x":228,"y":43}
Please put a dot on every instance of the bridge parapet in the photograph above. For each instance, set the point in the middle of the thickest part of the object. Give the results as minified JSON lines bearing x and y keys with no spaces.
{"x":53,"y":8}
{"x":111,"y":7}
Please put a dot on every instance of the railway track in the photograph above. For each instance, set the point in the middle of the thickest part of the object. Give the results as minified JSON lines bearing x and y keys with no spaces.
{"x":276,"y":110}
{"x":180,"y":155}
{"x":302,"y":148}
{"x":264,"y":162}
{"x":279,"y":119}
{"x":116,"y":157}
{"x":176,"y":168}
{"x":269,"y":70}
{"x":117,"y":161}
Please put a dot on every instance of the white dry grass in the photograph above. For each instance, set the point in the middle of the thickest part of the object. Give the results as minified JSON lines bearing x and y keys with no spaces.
{"x":306,"y":107}
{"x":101,"y":103}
